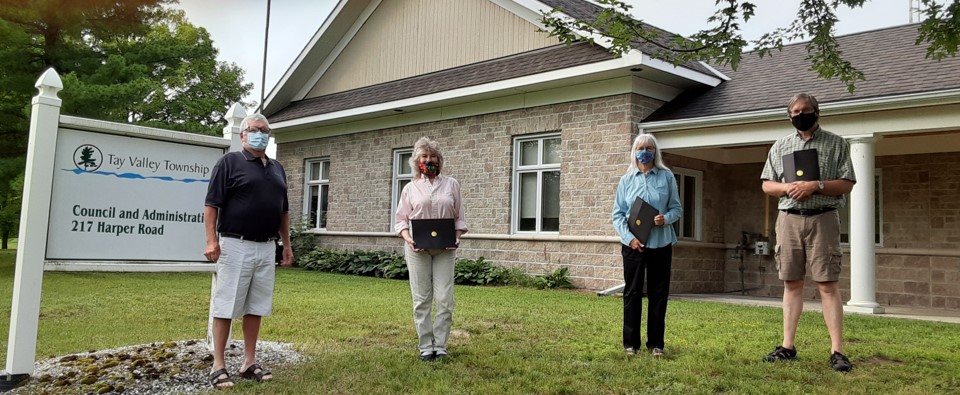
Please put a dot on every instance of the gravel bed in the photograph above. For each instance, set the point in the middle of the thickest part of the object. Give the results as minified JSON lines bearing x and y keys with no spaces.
{"x":179,"y":367}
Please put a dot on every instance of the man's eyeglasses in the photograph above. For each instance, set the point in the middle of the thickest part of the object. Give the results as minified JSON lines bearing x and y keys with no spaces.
{"x":257,"y":130}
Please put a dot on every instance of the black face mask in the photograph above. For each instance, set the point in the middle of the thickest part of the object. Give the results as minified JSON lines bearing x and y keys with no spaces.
{"x":804,"y":121}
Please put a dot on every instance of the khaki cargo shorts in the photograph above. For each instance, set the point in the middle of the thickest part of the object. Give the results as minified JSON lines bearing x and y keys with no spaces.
{"x":808,"y":240}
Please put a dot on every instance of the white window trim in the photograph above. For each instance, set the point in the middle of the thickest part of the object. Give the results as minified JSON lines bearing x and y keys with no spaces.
{"x":395,"y":182}
{"x":539,"y":168}
{"x":307,"y":183}
{"x":698,"y":204}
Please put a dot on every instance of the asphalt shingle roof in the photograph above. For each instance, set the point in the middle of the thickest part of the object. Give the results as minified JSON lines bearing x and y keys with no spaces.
{"x":520,"y":65}
{"x":889,"y":58}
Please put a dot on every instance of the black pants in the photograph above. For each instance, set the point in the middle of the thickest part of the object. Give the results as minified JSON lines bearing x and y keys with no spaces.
{"x":655,"y":264}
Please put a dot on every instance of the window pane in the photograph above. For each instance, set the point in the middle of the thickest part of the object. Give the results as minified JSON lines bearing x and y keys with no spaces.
{"x":528,"y":202}
{"x":528,"y":152}
{"x":689,"y":205}
{"x":325,"y":175}
{"x":314,"y":171}
{"x":551,"y":151}
{"x":550,"y":202}
{"x":312,"y":201}
{"x":324,"y":192}
{"x":405,"y":163}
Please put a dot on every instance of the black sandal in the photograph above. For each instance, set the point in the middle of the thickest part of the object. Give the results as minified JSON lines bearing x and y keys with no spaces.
{"x":219,"y":378}
{"x":257,"y":373}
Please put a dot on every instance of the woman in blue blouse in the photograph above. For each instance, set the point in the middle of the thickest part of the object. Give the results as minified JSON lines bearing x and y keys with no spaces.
{"x":648,"y":178}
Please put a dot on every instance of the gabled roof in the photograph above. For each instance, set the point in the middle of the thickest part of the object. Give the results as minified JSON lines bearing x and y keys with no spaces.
{"x":283,"y":102}
{"x":889,"y":58}
{"x":529,"y":63}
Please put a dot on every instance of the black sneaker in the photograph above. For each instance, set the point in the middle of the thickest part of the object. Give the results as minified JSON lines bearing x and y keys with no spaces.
{"x":427,"y":356}
{"x":781,"y":354}
{"x":840,"y":362}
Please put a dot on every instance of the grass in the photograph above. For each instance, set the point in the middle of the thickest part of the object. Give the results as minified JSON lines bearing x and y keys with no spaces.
{"x":359,"y":335}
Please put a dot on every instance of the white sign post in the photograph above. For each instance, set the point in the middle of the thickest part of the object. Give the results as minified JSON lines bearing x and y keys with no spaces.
{"x":104,"y":196}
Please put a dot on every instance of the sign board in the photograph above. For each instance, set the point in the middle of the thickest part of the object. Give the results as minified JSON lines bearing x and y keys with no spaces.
{"x":124,"y":198}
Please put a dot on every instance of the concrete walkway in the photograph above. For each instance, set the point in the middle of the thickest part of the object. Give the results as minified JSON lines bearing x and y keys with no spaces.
{"x":913,"y":313}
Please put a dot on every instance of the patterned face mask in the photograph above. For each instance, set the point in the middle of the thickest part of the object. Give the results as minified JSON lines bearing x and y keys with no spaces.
{"x":645,"y":156}
{"x":430,"y":169}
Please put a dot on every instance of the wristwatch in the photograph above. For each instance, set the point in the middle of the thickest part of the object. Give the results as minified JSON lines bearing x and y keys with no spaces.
{"x":819,"y":185}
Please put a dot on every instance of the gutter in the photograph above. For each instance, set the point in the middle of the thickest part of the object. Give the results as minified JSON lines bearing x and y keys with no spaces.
{"x":883,"y":103}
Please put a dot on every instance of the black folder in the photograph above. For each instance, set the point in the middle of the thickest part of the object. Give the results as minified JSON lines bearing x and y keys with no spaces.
{"x":640,"y":221}
{"x":429,"y":234}
{"x":801,"y":166}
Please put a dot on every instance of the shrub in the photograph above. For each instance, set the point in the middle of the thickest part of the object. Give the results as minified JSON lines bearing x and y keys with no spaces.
{"x":559,"y":278}
{"x":476,"y":272}
{"x":363,"y":263}
{"x":392,"y":265}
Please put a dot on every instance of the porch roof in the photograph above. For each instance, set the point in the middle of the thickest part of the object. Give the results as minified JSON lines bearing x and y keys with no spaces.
{"x":891,"y":61}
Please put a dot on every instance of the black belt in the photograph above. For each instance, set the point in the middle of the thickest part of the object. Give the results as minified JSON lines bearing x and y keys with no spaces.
{"x":242,"y":237}
{"x":808,"y":212}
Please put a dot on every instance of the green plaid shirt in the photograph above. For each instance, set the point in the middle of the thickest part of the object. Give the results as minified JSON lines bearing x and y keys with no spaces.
{"x":833,"y":154}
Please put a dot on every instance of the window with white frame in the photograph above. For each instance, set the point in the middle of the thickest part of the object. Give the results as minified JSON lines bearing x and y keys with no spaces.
{"x":317,"y":191}
{"x":402,"y":175}
{"x":690,"y":189}
{"x":536,"y":184}
{"x":877,"y":220}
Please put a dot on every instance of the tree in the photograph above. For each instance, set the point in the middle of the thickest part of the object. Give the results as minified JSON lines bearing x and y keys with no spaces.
{"x":11,"y":196}
{"x":722,"y":44}
{"x":135,"y":61}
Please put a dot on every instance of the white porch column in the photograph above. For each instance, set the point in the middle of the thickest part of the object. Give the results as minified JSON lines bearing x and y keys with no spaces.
{"x":863,"y":258}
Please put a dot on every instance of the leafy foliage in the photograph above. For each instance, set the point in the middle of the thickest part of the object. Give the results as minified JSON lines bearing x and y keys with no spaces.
{"x":477,"y":272}
{"x":131,"y":61}
{"x":392,"y":265}
{"x":363,"y":263}
{"x":721,"y":42}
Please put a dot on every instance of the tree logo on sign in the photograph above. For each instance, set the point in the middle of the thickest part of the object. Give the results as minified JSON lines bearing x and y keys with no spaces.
{"x":87,"y":157}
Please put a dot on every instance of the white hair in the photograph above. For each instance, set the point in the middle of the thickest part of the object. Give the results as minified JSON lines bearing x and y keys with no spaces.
{"x":657,"y":157}
{"x":253,"y":117}
{"x":424,"y":145}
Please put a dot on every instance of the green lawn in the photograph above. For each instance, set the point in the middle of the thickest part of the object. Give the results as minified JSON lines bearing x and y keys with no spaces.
{"x":360,"y":337}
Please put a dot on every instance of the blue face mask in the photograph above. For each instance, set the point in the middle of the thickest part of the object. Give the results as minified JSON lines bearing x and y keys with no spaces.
{"x":258,"y":141}
{"x":645,"y":156}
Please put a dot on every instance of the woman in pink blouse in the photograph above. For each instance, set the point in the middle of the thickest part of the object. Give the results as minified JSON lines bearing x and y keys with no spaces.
{"x":430,"y":195}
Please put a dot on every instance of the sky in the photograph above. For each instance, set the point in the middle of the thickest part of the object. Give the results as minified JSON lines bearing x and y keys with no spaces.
{"x":237,"y":26}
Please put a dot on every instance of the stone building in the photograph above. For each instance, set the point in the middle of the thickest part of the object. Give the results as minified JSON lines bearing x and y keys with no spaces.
{"x":538,"y":134}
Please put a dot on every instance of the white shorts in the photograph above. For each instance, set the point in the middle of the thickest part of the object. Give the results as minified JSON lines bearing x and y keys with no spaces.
{"x":245,"y":274}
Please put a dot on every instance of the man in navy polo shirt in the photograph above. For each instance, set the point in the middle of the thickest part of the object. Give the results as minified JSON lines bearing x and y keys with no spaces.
{"x":246,"y":208}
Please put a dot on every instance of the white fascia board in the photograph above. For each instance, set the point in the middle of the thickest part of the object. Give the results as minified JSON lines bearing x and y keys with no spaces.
{"x":838,"y":108}
{"x":335,"y":53}
{"x":679,"y":71}
{"x":529,"y":10}
{"x":296,"y":65}
{"x":715,"y":71}
{"x":514,"y":84}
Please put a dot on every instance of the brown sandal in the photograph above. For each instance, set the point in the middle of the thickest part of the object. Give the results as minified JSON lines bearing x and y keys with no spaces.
{"x":257,"y":373}
{"x":220,"y":379}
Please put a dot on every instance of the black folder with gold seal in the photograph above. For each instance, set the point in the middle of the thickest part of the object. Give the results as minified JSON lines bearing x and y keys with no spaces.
{"x":640,"y":221}
{"x":429,"y":234}
{"x":801,"y":166}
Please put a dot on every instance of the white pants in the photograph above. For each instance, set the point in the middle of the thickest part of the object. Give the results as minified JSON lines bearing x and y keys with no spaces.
{"x":245,"y":274}
{"x":431,"y":280}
